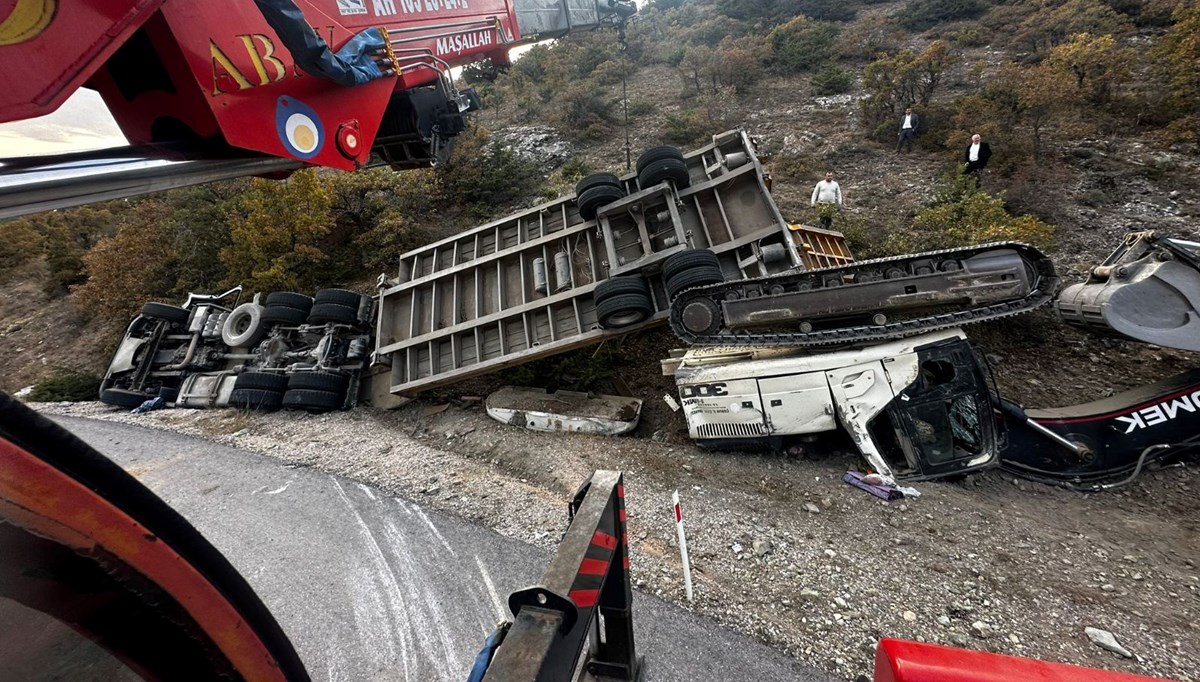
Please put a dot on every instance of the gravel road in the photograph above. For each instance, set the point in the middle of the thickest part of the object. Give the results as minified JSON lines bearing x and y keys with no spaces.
{"x":781,"y":549}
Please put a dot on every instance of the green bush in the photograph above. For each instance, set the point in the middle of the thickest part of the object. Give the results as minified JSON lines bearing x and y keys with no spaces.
{"x":487,"y":178}
{"x":832,"y":81}
{"x":641,"y":107}
{"x":827,"y":10}
{"x":66,"y":384}
{"x":802,"y":44}
{"x":963,"y":215}
{"x":922,"y":14}
{"x":683,"y":128}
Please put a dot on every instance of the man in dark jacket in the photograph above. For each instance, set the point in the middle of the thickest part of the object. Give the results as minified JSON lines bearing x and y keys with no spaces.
{"x":976,"y":157}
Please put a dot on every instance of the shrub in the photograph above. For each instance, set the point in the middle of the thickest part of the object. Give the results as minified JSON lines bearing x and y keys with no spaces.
{"x":827,"y":10}
{"x":641,"y":107}
{"x":963,"y":215}
{"x":583,"y":113}
{"x":832,"y":81}
{"x":683,"y":128}
{"x":487,"y":177}
{"x":802,"y":44}
{"x":66,"y":385}
{"x":922,"y":14}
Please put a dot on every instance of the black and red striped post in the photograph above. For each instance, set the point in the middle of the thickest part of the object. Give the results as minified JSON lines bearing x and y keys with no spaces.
{"x":588,"y":578}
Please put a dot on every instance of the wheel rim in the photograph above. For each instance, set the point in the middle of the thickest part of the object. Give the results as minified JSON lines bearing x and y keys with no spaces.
{"x":624,"y":319}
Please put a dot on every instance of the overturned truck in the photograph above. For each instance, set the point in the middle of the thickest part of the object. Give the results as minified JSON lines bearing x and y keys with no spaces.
{"x":692,"y":238}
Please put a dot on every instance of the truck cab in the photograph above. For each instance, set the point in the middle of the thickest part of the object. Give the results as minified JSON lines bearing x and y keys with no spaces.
{"x":916,"y":408}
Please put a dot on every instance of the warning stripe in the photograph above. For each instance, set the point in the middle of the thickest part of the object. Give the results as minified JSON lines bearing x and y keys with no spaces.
{"x":593,"y":567}
{"x":621,"y":515}
{"x":602,"y":539}
{"x":584,"y":598}
{"x":678,"y":514}
{"x":621,"y":491}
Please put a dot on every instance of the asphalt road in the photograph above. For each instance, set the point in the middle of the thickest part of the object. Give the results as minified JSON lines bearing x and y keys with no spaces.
{"x":370,"y":586}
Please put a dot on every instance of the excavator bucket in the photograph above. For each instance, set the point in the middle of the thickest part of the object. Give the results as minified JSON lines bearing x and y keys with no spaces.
{"x":1147,"y":290}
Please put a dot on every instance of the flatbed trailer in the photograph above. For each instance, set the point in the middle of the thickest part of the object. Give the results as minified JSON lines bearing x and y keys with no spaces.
{"x":523,"y":287}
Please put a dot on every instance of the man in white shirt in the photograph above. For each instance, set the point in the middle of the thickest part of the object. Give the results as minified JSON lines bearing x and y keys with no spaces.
{"x":908,"y":128}
{"x":828,"y":194}
{"x":976,"y":158}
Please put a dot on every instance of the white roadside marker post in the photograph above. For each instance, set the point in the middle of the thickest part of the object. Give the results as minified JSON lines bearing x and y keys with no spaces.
{"x":687,"y":567}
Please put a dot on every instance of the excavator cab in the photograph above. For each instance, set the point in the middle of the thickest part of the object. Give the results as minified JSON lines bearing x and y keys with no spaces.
{"x":941,"y":424}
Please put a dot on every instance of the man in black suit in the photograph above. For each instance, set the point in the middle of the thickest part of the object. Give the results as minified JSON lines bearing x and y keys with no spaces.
{"x":976,"y":157}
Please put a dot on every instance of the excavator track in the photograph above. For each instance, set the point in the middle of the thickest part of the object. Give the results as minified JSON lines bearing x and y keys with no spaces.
{"x":874,"y":300}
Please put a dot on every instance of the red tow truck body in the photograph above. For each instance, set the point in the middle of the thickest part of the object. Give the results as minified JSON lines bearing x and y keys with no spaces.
{"x":220,"y":75}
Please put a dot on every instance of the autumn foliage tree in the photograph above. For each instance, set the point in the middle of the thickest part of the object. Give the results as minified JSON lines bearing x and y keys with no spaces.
{"x":126,"y":270}
{"x":892,"y":83}
{"x":1097,"y":64}
{"x":1178,"y":61}
{"x":278,"y":237}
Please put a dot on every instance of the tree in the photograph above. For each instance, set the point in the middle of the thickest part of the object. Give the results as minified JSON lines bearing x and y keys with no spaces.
{"x":1039,"y":99}
{"x":1096,"y":63}
{"x":1177,"y":56}
{"x":892,"y":83}
{"x":1056,"y":21}
{"x":278,"y":235}
{"x":128,"y":269}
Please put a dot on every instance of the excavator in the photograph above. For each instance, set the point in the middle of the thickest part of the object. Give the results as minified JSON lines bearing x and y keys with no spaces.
{"x":914,"y":397}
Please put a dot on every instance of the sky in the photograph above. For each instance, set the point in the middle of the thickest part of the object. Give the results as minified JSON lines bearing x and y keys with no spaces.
{"x":81,"y":123}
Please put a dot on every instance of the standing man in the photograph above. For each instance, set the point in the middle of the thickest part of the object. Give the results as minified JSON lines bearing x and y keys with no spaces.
{"x":908,"y":128}
{"x":828,"y":194}
{"x":976,"y":157}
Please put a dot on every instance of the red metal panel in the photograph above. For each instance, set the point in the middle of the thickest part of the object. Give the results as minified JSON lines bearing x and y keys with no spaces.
{"x":259,"y":98}
{"x":36,"y":496}
{"x":903,"y":661}
{"x":50,"y":47}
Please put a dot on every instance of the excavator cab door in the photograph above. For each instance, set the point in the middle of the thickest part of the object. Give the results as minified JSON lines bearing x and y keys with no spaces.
{"x":943,"y":420}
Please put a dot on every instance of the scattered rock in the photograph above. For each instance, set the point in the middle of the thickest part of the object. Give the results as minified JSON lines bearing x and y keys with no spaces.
{"x":762,"y":547}
{"x":1107,"y":641}
{"x":910,"y":616}
{"x":981,"y":629}
{"x":944,"y":621}
{"x":812,"y":508}
{"x":809,"y":594}
{"x":959,"y":639}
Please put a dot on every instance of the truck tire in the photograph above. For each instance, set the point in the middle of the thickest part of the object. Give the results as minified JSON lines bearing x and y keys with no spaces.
{"x":290,"y":299}
{"x":333,"y":312}
{"x":685,"y":260}
{"x":693,"y":277}
{"x":658,"y":154}
{"x":255,"y":399}
{"x":261,"y":381}
{"x":319,"y":381}
{"x":623,"y":310}
{"x":661,"y":171}
{"x":313,"y":401}
{"x":350,"y":299}
{"x":123,"y":398}
{"x":244,"y":327}
{"x":170,"y":313}
{"x":622,"y":284}
{"x":598,"y":180}
{"x":285,"y":315}
{"x":592,"y":199}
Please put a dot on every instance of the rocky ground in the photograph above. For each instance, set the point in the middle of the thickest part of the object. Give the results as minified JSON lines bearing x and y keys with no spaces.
{"x":781,"y":548}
